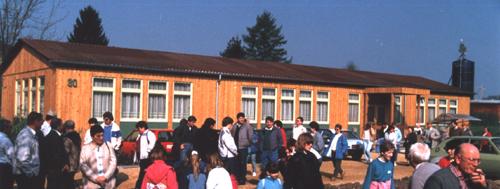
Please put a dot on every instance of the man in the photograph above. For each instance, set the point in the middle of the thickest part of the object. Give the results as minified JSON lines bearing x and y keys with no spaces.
{"x":44,"y":146}
{"x":26,"y":155}
{"x":318,"y":143}
{"x":112,"y":133}
{"x":145,"y":142}
{"x":92,"y":122}
{"x":455,"y":129}
{"x":6,"y":151}
{"x":46,"y":124}
{"x":269,"y":144}
{"x":432,"y":136}
{"x":242,"y":133}
{"x":98,"y":161}
{"x":184,"y":138}
{"x":463,"y":173}
{"x":56,"y":158}
{"x":336,"y":150}
{"x":298,"y":128}
{"x":72,"y":145}
{"x":227,"y":148}
{"x":419,"y":159}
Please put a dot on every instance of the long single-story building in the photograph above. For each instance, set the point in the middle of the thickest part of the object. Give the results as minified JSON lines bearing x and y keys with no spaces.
{"x":79,"y":81}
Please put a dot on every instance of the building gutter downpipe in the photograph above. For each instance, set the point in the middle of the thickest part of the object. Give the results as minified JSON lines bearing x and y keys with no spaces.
{"x":217,"y":101}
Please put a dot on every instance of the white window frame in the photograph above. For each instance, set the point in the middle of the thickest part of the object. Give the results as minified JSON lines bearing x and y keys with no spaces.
{"x":41,"y":88}
{"x":25,"y":103}
{"x":182,"y":93}
{"x":445,"y":106}
{"x":32,"y":98}
{"x":359,"y":108}
{"x":268,"y":97}
{"x":251,"y":97}
{"x":159,"y":92}
{"x":17,"y":94}
{"x":307,"y":99}
{"x":103,"y":89}
{"x":134,"y":91}
{"x":288,"y":98}
{"x":454,"y":106}
{"x":429,"y":105}
{"x":421,"y":104}
{"x":327,"y":100}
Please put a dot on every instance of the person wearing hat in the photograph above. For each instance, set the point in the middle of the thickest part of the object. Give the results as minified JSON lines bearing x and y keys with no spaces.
{"x":444,"y":162}
{"x":46,"y":124}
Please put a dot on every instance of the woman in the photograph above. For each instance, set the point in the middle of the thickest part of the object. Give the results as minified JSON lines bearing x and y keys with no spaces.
{"x":367,"y":142}
{"x":205,"y":142}
{"x":218,"y":177}
{"x":196,"y":178}
{"x":390,"y":136}
{"x":380,"y":173}
{"x":159,"y":174}
{"x":411,"y":139}
{"x":303,"y":167}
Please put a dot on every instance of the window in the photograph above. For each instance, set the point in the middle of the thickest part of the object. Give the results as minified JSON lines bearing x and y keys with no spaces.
{"x":268,"y":103}
{"x":131,"y":100}
{"x":442,"y":106}
{"x":25,"y":103}
{"x":421,"y":111}
{"x":182,"y":101}
{"x":305,"y":105}
{"x":103,"y":96}
{"x":397,"y":109}
{"x":453,"y":106}
{"x":41,"y":94}
{"x":353,"y":109}
{"x":322,"y":100}
{"x":18,"y":105}
{"x":431,"y":109}
{"x":33,"y":94}
{"x":287,"y":105}
{"x":157,"y":101}
{"x":248,"y":103}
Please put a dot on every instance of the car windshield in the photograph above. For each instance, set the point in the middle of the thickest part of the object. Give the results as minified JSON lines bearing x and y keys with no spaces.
{"x":497,"y":142}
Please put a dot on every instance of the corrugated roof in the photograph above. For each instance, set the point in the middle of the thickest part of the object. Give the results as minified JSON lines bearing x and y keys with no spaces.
{"x":61,"y":54}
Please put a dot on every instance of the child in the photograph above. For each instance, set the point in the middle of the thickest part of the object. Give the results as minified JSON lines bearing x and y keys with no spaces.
{"x":380,"y":173}
{"x":271,"y":181}
{"x":159,"y":174}
{"x":196,"y":178}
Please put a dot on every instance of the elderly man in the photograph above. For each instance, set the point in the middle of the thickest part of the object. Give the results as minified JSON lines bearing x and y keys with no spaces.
{"x":419,"y":159}
{"x":463,"y":173}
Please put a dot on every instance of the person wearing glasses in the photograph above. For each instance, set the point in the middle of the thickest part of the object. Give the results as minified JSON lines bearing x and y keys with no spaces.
{"x":463,"y":173}
{"x":303,"y":167}
{"x":336,"y":150}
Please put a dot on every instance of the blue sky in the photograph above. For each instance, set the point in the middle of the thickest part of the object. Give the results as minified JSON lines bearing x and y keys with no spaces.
{"x":403,"y":37}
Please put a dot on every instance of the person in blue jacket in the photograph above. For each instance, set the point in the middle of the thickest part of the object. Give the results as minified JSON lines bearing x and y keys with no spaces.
{"x":271,"y":181}
{"x":380,"y":173}
{"x":336,"y":151}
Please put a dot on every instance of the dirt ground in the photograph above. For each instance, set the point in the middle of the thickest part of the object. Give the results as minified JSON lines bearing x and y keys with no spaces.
{"x":355,"y":172}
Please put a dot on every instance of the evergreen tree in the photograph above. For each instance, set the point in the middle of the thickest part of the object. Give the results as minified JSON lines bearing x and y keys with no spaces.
{"x":265,"y":40}
{"x":234,"y":49}
{"x":88,"y":28}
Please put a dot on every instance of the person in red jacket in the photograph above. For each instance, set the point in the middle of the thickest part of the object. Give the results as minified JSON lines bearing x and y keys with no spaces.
{"x":279,"y":124}
{"x":159,"y":174}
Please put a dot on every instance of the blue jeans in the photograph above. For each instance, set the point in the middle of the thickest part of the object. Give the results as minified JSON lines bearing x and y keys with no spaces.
{"x":266,"y":157}
{"x":183,"y":154}
{"x":368,"y":148}
{"x":253,"y":159}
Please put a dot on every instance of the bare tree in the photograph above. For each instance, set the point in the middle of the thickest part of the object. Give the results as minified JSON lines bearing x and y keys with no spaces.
{"x":28,"y":18}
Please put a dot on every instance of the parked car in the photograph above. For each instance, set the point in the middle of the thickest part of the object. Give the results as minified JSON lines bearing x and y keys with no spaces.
{"x":128,"y":148}
{"x":489,"y":148}
{"x":353,"y":140}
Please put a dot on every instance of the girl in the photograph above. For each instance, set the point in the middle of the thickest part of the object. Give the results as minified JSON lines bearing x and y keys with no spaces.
{"x":159,"y":174}
{"x":380,"y":173}
{"x":218,"y":177}
{"x":367,"y":142}
{"x":196,"y":178}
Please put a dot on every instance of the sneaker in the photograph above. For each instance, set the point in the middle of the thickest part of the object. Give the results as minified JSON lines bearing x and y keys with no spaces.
{"x":254,"y":174}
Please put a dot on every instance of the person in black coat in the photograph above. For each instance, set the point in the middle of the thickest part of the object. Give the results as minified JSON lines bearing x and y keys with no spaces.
{"x":410,"y":140}
{"x":56,"y":156}
{"x":183,"y":139}
{"x":303,"y":167}
{"x":206,"y":139}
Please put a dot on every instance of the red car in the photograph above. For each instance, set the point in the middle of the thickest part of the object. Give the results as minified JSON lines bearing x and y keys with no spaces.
{"x":164,"y":136}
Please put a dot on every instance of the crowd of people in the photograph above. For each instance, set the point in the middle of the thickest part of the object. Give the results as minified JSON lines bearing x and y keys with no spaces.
{"x":49,"y":152}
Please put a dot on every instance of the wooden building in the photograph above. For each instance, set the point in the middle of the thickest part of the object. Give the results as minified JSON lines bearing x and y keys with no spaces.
{"x":80,"y":81}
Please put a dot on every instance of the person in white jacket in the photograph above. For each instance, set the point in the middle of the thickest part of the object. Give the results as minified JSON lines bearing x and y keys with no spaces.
{"x":218,"y":177}
{"x":145,"y":143}
{"x":227,"y":147}
{"x":112,"y":133}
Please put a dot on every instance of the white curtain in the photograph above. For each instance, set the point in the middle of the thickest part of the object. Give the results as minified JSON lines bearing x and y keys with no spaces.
{"x":102,"y":103}
{"x":103,"y":83}
{"x":267,"y":108}
{"x":131,"y":84}
{"x":353,"y":112}
{"x":421,"y":115}
{"x":130,"y":105}
{"x":248,"y":107}
{"x":182,"y":87}
{"x":156,"y":106}
{"x":305,"y":110}
{"x":42,"y":100}
{"x":181,"y":106}
{"x":453,"y":110}
{"x":431,"y":114}
{"x":322,"y":111}
{"x":158,"y":86}
{"x":287,"y":110}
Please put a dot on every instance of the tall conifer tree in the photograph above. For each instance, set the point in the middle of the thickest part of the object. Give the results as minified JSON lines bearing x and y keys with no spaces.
{"x":88,"y":28}
{"x":234,"y":49}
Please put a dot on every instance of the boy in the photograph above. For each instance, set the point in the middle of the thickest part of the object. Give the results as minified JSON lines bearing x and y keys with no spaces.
{"x":271,"y":181}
